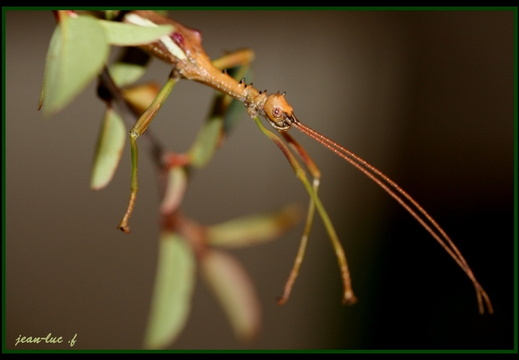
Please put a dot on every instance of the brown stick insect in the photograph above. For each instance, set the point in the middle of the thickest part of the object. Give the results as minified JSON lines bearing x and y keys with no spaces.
{"x":182,"y":48}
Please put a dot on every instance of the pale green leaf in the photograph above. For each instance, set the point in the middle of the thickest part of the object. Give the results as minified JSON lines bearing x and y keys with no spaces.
{"x":234,"y":109}
{"x":110,"y":145}
{"x":235,"y":291}
{"x":225,"y":114}
{"x":250,"y":230}
{"x":174,"y":284}
{"x":122,"y":34}
{"x":206,"y":142}
{"x":126,"y":73}
{"x":175,"y":189}
{"x":130,"y":66}
{"x":233,"y":115}
{"x":77,"y":52}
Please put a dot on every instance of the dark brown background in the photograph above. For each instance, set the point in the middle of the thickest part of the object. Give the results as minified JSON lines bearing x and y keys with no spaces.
{"x":426,"y":96}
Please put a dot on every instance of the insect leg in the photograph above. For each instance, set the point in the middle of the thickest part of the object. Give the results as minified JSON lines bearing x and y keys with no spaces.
{"x":236,"y":58}
{"x":138,"y":129}
{"x":316,"y":176}
{"x":348,"y":295}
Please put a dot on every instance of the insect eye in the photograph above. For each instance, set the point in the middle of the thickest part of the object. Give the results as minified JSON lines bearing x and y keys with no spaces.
{"x":276,"y":112}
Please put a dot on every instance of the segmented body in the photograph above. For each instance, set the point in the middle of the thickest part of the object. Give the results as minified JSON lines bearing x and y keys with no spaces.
{"x":183,"y":49}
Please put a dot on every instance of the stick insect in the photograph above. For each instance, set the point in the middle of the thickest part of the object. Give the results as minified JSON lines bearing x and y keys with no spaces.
{"x":183,"y":50}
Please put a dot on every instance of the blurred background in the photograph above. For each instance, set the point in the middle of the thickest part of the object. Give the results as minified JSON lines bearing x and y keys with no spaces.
{"x":425,"y":96}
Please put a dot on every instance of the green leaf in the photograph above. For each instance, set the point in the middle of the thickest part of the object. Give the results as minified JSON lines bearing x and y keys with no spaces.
{"x":124,"y":73}
{"x":235,"y":291}
{"x":206,"y":142}
{"x":131,"y":35}
{"x":77,"y":52}
{"x":110,"y":145}
{"x":234,"y":108}
{"x":251,"y":230}
{"x":130,"y":66}
{"x":174,"y":284}
{"x":225,"y":114}
{"x":234,"y":114}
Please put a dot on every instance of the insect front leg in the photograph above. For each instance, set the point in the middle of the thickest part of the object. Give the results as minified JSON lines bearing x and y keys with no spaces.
{"x":348,"y":295}
{"x":316,"y":178}
{"x":137,"y":130}
{"x":241,"y":57}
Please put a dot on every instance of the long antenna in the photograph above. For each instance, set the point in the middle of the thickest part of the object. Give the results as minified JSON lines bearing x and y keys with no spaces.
{"x":411,"y":205}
